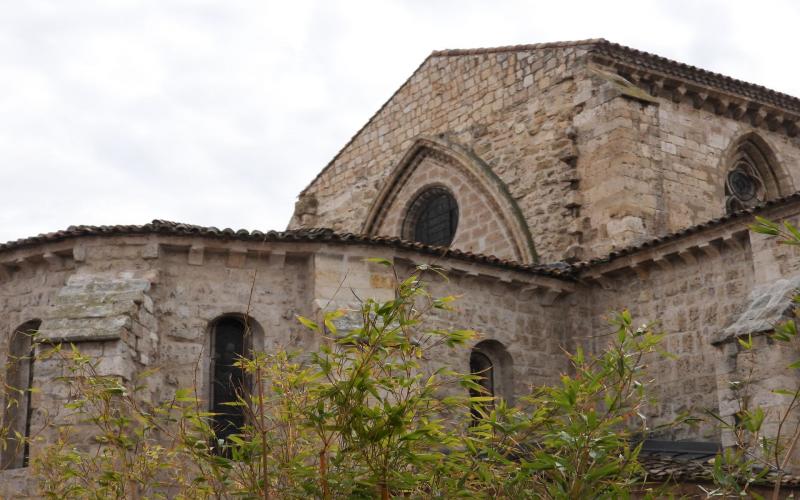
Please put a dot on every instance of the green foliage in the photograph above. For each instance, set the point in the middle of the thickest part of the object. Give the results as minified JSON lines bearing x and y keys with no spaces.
{"x":757,"y":452}
{"x":371,"y":413}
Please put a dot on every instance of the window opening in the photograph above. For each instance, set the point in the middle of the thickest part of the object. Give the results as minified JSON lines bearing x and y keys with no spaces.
{"x":18,"y":408}
{"x":228,"y":379}
{"x":433,"y":218}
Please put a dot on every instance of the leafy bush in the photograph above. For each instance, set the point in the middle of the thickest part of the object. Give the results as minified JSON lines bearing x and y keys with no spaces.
{"x":364,"y":416}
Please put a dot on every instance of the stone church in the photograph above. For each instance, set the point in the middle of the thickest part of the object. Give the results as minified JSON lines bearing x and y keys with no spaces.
{"x":553,"y":182}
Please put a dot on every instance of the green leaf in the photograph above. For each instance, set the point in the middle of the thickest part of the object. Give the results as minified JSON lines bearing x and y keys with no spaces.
{"x":380,"y":260}
{"x":765,"y":226}
{"x":746,"y":344}
{"x":308,"y":323}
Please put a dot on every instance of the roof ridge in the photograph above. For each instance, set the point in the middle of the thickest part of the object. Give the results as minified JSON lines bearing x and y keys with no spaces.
{"x":701,"y":76}
{"x":516,"y":48}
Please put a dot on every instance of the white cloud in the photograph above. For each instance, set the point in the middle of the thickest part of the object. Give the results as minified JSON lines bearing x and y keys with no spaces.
{"x":219,"y":113}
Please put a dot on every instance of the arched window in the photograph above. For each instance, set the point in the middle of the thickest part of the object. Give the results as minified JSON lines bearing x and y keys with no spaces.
{"x":432,"y":218}
{"x":481,"y":365}
{"x":18,"y":383}
{"x":230,"y":341}
{"x":752,"y":177}
{"x":490,"y":361}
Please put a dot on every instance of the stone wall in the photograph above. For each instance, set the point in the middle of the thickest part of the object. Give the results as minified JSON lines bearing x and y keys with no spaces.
{"x":513,"y":110}
{"x":593,"y":161}
{"x":650,"y":166}
{"x":693,"y":296}
{"x":148,"y":302}
{"x":480,"y":230}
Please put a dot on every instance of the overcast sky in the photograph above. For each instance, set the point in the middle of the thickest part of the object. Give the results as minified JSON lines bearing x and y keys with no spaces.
{"x":220,"y":112}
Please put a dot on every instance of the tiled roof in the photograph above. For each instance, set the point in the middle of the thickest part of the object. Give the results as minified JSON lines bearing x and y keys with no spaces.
{"x":655,"y":63}
{"x":747,"y":214}
{"x":667,"y":461}
{"x":601,"y":47}
{"x":298,"y":235}
{"x":557,"y":270}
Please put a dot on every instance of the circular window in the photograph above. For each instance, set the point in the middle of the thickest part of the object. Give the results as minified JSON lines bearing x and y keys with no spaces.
{"x":742,"y":185}
{"x":432,"y":218}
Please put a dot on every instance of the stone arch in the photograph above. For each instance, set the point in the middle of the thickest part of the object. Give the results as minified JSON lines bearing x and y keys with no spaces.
{"x":464,"y":164}
{"x":18,"y":382}
{"x":231,"y":336}
{"x":499,"y":374}
{"x":752,"y":161}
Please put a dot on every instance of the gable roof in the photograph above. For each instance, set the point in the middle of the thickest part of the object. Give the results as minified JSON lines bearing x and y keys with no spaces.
{"x":611,"y":53}
{"x":649,"y":62}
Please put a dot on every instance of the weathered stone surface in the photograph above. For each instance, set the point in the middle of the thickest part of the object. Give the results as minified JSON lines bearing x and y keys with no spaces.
{"x":541,"y":144}
{"x":768,"y":305}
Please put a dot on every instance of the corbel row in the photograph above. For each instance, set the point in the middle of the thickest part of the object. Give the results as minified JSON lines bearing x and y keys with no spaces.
{"x":28,"y":263}
{"x":237,"y":256}
{"x":709,"y":98}
{"x":667,"y":258}
{"x":543,"y":289}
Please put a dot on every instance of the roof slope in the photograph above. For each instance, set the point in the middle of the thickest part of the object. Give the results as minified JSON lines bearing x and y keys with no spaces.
{"x":602,"y":49}
{"x":314,"y":235}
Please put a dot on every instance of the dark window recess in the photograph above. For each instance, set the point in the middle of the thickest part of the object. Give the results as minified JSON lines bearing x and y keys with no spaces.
{"x":435,"y":218}
{"x":482,"y":366}
{"x":19,"y":382}
{"x":229,"y":380}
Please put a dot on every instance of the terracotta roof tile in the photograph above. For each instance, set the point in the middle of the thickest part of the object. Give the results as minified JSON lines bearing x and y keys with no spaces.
{"x":617,"y":52}
{"x":749,"y":213}
{"x":298,"y":235}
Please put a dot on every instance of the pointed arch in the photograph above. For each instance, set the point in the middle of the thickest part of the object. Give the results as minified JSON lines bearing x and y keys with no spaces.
{"x":471,"y":167}
{"x":753,"y":173}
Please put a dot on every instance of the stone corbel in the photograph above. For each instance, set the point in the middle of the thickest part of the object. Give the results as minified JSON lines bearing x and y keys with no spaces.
{"x":601,"y":280}
{"x":709,"y":249}
{"x":738,"y":110}
{"x":196,"y":255}
{"x":550,"y":295}
{"x":687,"y":257}
{"x":150,"y":250}
{"x":774,"y":121}
{"x":657,"y":87}
{"x":679,"y":92}
{"x":758,"y":116}
{"x":79,"y":253}
{"x":732,"y":241}
{"x":699,"y":99}
{"x":721,"y":105}
{"x":640,"y":268}
{"x":54,"y":261}
{"x":663,"y":263}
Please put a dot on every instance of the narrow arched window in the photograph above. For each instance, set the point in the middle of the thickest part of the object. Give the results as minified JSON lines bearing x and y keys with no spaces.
{"x":482,"y":367}
{"x":432,"y":218}
{"x":16,"y":423}
{"x":229,"y":344}
{"x":490,"y":361}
